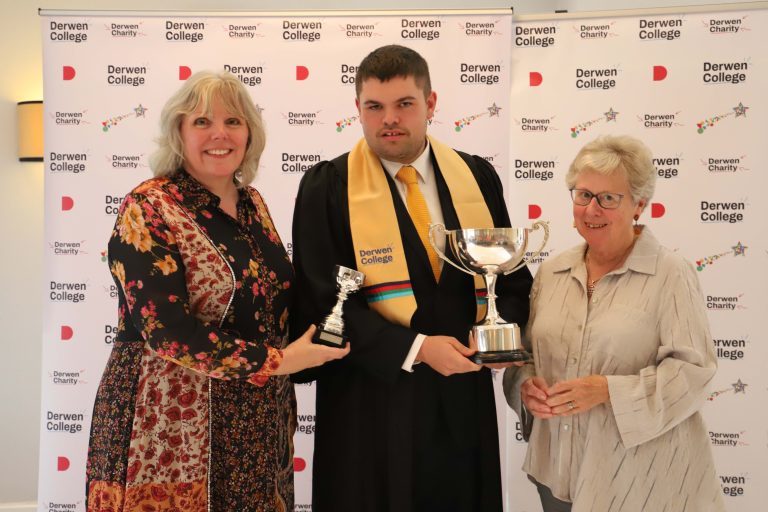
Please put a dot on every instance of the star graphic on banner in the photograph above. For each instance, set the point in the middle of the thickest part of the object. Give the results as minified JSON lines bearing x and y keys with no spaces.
{"x":739,"y":387}
{"x":740,"y":110}
{"x":611,"y":115}
{"x":140,"y":110}
{"x":494,"y":110}
{"x":740,"y":249}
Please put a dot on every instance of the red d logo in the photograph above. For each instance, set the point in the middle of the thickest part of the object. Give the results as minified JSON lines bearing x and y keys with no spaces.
{"x":67,"y":203}
{"x":534,"y":211}
{"x":301,"y":73}
{"x":184,"y":72}
{"x":659,"y":73}
{"x":68,"y":72}
{"x":657,"y":210}
{"x":535,"y":79}
{"x":62,"y":464}
{"x":66,"y":333}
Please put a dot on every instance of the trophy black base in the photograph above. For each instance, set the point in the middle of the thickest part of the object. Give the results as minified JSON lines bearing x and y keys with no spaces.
{"x":329,"y":339}
{"x":506,"y":356}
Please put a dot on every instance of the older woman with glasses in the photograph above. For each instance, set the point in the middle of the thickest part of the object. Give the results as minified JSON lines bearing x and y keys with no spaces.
{"x":623,"y":355}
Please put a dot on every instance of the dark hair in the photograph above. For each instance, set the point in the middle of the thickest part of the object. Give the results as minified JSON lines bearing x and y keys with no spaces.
{"x":388,"y":62}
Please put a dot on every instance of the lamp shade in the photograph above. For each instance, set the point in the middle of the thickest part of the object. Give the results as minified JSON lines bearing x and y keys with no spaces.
{"x":30,"y":130}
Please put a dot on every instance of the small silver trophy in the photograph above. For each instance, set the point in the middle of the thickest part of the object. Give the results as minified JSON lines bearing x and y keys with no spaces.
{"x":331,"y":331}
{"x":491,"y":252}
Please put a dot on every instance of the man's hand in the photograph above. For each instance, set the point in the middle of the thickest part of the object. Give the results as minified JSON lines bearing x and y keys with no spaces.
{"x":446,"y":355}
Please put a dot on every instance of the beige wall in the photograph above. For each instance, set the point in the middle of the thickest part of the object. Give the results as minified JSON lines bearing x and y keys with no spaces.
{"x":21,"y":202}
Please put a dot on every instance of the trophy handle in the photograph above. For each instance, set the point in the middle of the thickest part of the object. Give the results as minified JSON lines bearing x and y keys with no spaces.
{"x":441,"y":228}
{"x":536,"y":225}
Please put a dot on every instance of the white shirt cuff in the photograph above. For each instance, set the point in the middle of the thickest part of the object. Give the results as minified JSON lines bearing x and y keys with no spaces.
{"x":411,"y":359}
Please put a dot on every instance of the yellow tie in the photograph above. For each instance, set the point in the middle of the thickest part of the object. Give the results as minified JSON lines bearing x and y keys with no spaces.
{"x":417,"y":208}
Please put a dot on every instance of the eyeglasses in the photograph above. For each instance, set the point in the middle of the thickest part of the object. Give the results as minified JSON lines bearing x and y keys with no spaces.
{"x":607,"y":200}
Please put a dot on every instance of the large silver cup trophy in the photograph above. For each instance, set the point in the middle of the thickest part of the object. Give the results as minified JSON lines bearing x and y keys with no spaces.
{"x":331,"y":331}
{"x":490,"y":253}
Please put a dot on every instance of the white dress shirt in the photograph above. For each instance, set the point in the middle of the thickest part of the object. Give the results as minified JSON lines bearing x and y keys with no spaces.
{"x":428,"y":186}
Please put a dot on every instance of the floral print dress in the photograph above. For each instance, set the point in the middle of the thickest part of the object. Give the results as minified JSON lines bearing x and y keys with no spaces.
{"x":187,"y":416}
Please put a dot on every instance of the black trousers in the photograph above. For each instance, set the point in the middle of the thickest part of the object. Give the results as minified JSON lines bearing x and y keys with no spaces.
{"x":548,"y":502}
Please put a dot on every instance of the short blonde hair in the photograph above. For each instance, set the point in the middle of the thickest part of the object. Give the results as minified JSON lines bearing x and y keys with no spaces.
{"x":199,"y":92}
{"x":608,"y":153}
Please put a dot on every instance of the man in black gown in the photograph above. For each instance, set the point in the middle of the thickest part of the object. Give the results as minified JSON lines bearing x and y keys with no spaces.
{"x":406,"y":422}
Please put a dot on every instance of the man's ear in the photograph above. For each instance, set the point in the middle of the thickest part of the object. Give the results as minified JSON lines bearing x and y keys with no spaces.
{"x":431,"y":104}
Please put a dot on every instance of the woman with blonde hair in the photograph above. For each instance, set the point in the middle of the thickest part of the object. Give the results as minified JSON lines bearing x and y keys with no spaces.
{"x":195,"y":410}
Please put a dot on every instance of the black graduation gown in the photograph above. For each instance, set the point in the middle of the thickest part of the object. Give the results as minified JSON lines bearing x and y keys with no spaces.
{"x":387,"y":439}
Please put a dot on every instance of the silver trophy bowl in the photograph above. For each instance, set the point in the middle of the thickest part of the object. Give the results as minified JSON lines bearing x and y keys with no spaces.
{"x":491,"y":252}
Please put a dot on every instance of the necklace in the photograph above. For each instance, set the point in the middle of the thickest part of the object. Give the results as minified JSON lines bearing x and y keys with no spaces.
{"x":592,"y":283}
{"x":591,"y":287}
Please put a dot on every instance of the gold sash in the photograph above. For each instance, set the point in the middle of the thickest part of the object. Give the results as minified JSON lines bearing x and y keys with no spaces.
{"x":376,"y":235}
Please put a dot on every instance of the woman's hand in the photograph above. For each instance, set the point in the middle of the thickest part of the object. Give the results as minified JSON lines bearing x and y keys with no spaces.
{"x":302,"y":354}
{"x":578,"y":395}
{"x":534,"y":393}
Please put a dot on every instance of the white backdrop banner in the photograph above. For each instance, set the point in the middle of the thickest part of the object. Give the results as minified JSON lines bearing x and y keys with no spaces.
{"x":107,"y":76}
{"x":526,"y":95}
{"x":692,"y":86}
